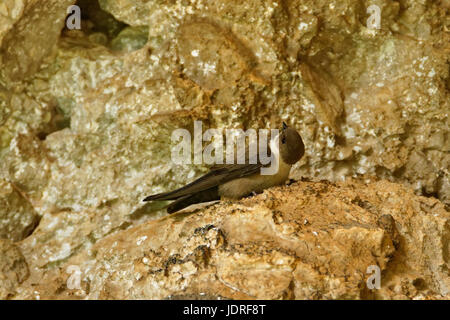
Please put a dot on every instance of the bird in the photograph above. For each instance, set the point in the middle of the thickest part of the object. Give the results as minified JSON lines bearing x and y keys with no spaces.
{"x":235,"y":181}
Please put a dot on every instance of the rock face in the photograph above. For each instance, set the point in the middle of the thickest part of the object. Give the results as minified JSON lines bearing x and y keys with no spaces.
{"x":13,"y":269}
{"x":17,"y":217}
{"x":22,"y":52}
{"x":86,"y":118}
{"x":309,"y":240}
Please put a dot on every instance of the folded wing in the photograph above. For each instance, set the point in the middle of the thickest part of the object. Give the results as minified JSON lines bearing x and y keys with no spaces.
{"x":218,"y":175}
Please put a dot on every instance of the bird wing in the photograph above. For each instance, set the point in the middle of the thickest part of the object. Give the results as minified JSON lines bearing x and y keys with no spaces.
{"x":218,"y":175}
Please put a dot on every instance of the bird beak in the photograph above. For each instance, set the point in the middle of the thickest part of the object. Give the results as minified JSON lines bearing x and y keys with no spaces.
{"x":284,"y":125}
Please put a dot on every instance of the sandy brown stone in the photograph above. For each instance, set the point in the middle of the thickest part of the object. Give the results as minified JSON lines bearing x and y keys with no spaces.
{"x":86,"y":118}
{"x":13,"y":269}
{"x":309,"y":240}
{"x":134,"y":13}
{"x":365,"y":101}
{"x":21,"y":51}
{"x":17,"y":216}
{"x":10,"y":12}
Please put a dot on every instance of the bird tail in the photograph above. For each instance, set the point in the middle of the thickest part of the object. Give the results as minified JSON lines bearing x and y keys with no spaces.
{"x":204,"y":196}
{"x":159,"y":196}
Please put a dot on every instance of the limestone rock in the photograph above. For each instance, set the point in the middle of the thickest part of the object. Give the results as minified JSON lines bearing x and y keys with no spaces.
{"x":134,"y":13}
{"x":17,"y":216}
{"x":10,"y":12}
{"x":13,"y":269}
{"x":309,"y":240}
{"x":365,"y":101}
{"x":130,"y":39}
{"x":21,"y":50}
{"x":86,"y":118}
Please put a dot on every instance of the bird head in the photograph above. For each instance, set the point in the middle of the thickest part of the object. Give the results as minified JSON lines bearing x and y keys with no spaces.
{"x":292,"y":148}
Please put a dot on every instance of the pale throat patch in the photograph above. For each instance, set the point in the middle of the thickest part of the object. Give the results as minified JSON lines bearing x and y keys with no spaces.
{"x":275,"y":158}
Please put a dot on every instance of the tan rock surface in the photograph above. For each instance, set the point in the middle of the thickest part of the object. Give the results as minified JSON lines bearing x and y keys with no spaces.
{"x":365,"y":101}
{"x":86,"y":118}
{"x":134,"y":13}
{"x":309,"y":240}
{"x":10,"y":12}
{"x":13,"y":269}
{"x":22,"y":49}
{"x":17,"y":216}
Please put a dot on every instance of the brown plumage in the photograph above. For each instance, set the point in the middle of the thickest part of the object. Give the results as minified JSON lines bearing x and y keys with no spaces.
{"x":238,"y":180}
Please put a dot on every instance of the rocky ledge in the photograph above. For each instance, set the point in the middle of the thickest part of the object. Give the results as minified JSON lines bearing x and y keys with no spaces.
{"x":306,"y":240}
{"x":86,"y":117}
